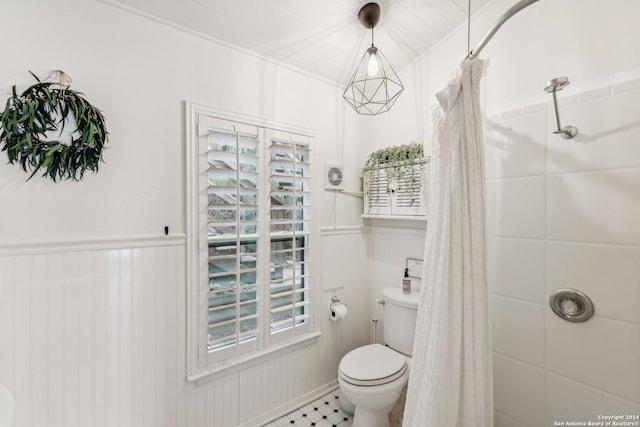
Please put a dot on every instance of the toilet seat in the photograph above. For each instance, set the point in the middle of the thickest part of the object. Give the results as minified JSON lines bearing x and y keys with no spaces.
{"x":372,"y":365}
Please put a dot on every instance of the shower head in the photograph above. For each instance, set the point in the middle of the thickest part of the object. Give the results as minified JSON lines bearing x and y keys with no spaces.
{"x":553,"y":86}
{"x":556,"y":84}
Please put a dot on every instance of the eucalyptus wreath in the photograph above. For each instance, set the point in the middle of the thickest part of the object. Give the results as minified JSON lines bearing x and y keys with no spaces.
{"x":42,"y":109}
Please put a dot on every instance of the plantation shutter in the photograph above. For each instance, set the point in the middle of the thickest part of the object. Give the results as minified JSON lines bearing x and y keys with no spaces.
{"x":290,"y":202}
{"x":254,"y":239}
{"x":233,"y":202}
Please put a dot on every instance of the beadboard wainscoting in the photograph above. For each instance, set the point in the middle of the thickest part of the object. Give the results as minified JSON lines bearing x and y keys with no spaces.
{"x":392,"y":242}
{"x":94,"y":335}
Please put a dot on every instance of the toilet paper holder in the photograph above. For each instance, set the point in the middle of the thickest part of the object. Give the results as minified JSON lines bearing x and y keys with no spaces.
{"x":334,"y":300}
{"x":337,"y":310}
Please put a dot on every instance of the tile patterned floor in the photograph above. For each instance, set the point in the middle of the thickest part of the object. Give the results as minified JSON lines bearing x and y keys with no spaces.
{"x":324,"y":412}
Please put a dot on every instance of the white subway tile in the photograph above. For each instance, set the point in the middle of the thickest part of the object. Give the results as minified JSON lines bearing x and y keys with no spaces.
{"x":601,"y":207}
{"x":626,"y":86}
{"x":607,"y":274}
{"x":536,"y":108}
{"x":518,"y":390}
{"x":492,"y":188}
{"x":516,"y":207}
{"x":517,"y":329}
{"x":568,"y":400}
{"x":501,"y":420}
{"x":563,"y":101}
{"x":599,"y":352}
{"x":510,"y":114}
{"x":593,"y":94}
{"x":516,"y":147}
{"x":516,"y":268}
{"x":609,"y":134}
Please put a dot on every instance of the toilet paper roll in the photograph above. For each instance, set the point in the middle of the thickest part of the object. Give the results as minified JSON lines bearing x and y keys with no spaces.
{"x":338,"y":311}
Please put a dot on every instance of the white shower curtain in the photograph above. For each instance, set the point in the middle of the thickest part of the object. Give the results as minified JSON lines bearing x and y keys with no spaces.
{"x":450,"y":383}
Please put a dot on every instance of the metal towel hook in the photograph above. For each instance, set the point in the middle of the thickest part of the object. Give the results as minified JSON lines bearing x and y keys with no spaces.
{"x":553,"y":86}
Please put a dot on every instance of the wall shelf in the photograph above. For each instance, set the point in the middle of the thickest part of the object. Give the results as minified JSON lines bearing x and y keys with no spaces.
{"x":396,"y":217}
{"x":397,"y":190}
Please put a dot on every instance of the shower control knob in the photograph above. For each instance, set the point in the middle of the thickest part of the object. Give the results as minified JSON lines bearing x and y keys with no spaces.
{"x":571,"y":305}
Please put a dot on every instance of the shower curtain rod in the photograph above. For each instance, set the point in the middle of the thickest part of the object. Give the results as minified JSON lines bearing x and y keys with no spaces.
{"x":473,"y":54}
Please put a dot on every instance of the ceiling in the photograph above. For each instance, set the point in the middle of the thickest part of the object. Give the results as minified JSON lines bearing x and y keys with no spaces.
{"x":323,"y":37}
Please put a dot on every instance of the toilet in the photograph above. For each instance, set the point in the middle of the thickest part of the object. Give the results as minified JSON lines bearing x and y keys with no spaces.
{"x":372,"y":377}
{"x":7,"y":407}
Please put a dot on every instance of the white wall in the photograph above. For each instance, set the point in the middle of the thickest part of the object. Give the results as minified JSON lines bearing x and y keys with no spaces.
{"x":80,"y":342}
{"x":138,"y":72}
{"x":561,"y":213}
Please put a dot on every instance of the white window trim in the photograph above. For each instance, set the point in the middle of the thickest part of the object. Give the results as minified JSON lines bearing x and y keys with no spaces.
{"x":198,"y":368}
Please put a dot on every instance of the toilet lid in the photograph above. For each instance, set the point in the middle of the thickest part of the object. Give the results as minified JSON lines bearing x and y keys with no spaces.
{"x":371,"y":365}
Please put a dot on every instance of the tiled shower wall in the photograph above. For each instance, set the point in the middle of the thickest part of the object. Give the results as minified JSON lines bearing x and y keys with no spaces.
{"x":565,"y":214}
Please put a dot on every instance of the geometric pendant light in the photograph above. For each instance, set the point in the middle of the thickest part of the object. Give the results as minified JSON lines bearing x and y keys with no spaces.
{"x":374,"y":86}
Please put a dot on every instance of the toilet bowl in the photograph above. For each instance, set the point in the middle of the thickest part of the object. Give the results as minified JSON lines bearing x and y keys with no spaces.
{"x":7,"y":407}
{"x":372,"y":378}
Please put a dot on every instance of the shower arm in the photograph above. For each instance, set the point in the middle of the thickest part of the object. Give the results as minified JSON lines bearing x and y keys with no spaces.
{"x":473,"y":54}
{"x":552,"y":87}
{"x":566,"y":132}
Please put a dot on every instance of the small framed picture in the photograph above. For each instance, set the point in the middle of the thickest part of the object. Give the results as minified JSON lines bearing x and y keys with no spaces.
{"x":415,"y":267}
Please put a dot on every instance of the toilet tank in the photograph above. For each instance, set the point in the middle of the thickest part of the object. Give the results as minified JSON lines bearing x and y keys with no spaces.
{"x":400,"y":312}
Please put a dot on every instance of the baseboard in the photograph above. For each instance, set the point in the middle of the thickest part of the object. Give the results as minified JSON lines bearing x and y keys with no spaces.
{"x":290,"y":406}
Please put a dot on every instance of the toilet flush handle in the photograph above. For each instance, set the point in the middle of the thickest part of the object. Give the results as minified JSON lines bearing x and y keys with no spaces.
{"x":381,"y":301}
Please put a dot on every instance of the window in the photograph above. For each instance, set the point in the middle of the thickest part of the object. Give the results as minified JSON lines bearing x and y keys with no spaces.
{"x":249,"y":239}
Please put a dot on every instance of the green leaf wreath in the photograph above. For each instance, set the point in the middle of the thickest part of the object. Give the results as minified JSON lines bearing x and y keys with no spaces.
{"x":42,"y":109}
